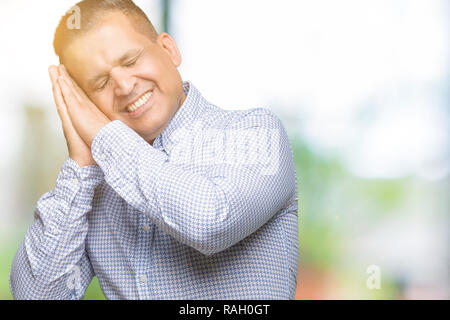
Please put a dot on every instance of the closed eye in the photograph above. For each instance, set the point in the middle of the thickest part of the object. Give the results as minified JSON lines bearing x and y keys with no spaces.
{"x":133,"y":62}
{"x":103,"y":86}
{"x":126,"y":65}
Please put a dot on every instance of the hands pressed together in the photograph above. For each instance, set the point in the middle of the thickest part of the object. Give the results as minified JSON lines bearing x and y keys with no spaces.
{"x":80,"y":117}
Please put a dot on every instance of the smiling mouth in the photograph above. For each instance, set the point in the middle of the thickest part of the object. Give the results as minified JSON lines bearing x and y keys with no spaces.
{"x":140,"y":102}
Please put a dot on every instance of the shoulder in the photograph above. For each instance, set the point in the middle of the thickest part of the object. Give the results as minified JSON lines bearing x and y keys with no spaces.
{"x":213,"y":116}
{"x":255,"y":117}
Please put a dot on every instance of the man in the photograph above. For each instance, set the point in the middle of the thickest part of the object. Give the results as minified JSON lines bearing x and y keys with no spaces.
{"x":164,"y":195}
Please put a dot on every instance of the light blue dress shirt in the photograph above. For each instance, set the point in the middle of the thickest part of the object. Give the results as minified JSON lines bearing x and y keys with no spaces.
{"x":208,"y":212}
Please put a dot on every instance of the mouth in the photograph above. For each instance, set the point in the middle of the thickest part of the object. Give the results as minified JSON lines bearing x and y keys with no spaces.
{"x":137,"y":107}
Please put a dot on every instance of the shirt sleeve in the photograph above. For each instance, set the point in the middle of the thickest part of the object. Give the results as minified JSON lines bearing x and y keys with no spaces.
{"x":51,"y":262}
{"x":211,"y":211}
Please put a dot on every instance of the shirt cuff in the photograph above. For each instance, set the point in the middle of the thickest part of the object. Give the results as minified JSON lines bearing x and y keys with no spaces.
{"x":76,"y":185}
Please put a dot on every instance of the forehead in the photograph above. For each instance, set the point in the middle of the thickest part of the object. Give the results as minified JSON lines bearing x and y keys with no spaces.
{"x":97,"y":50}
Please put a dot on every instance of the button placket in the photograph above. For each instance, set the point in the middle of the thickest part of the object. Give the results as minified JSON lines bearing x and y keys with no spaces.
{"x":143,"y":278}
{"x":143,"y":257}
{"x":56,"y":231}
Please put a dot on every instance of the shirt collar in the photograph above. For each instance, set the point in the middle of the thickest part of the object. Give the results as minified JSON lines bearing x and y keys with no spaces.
{"x":183,"y":118}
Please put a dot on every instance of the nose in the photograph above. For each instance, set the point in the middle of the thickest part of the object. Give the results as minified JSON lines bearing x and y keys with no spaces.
{"x":124,"y":82}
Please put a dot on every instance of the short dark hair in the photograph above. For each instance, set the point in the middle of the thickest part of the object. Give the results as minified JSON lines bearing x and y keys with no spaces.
{"x":91,"y":12}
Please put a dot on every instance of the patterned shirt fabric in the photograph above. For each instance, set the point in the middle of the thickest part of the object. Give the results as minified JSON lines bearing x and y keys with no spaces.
{"x":209,"y":211}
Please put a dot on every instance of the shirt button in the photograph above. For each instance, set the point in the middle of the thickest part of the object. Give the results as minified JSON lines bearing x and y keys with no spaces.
{"x":56,"y":231}
{"x":146,"y":228}
{"x":75,"y":181}
{"x":103,"y":157}
{"x":143,"y":278}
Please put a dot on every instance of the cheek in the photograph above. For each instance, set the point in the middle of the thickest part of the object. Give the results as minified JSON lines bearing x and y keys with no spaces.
{"x":149,"y":69}
{"x":159,"y":113}
{"x":159,"y":116}
{"x":105,"y":103}
{"x":157,"y":68}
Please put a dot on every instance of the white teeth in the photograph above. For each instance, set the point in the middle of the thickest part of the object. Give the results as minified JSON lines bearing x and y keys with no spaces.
{"x":143,"y":100}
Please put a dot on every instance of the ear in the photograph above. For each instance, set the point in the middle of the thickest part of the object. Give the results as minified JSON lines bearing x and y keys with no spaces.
{"x":167,"y":43}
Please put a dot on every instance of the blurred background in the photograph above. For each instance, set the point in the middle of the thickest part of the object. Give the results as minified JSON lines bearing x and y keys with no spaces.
{"x":362,"y":87}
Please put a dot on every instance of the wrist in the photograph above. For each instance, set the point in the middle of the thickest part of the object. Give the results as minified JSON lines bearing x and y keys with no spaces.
{"x":82,"y":163}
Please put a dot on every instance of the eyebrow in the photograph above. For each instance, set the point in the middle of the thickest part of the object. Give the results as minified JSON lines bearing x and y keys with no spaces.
{"x":123,"y":58}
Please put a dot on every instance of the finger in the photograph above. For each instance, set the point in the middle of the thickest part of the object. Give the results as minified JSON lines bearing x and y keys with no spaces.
{"x":57,"y":95}
{"x":60,"y":104}
{"x":54,"y":74}
{"x":72,"y":83}
{"x":68,"y":94}
{"x":62,"y":112}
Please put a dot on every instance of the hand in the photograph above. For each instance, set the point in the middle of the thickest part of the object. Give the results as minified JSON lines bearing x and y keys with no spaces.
{"x":86,"y":118}
{"x":78,"y":149}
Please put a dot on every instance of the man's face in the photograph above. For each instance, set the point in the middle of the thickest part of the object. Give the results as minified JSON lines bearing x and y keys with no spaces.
{"x":117,"y":66}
